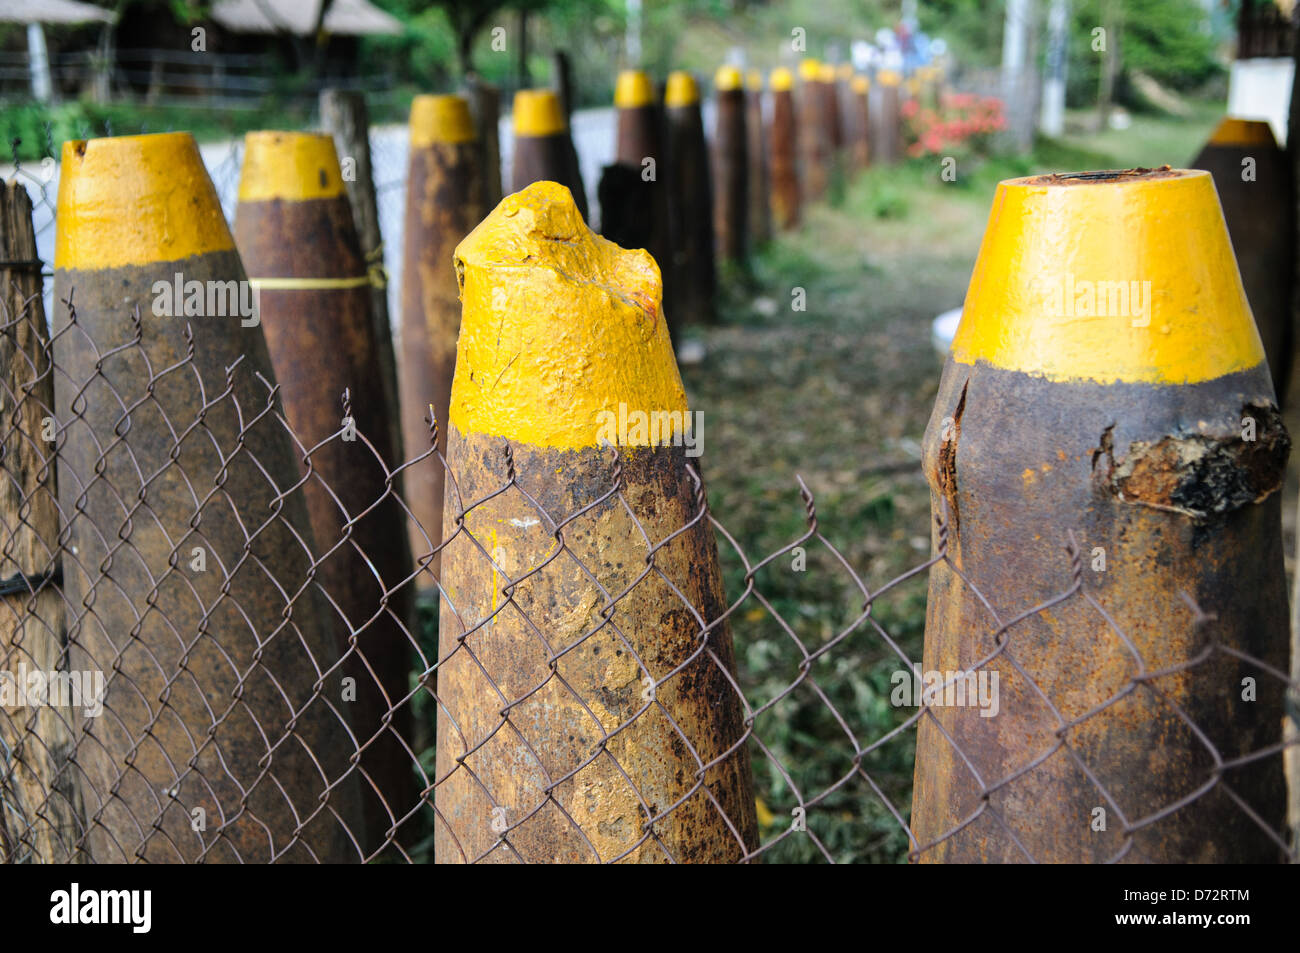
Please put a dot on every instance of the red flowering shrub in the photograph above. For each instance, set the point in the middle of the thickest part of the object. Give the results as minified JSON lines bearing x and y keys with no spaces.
{"x":964,"y":123}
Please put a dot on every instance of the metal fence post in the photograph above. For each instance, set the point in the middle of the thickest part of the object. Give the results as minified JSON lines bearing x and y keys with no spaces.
{"x":1082,"y":405}
{"x":587,"y":710}
{"x":186,"y":565}
{"x":689,"y":178}
{"x":443,"y":204}
{"x":293,"y":226}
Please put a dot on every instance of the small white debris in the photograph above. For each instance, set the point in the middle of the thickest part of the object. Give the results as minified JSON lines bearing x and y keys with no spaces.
{"x":691,"y":352}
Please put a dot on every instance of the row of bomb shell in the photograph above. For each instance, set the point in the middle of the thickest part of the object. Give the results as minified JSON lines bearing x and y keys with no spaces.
{"x":521,"y":732}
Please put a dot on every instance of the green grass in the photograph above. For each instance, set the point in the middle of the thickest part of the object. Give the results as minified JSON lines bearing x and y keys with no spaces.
{"x":1150,"y":140}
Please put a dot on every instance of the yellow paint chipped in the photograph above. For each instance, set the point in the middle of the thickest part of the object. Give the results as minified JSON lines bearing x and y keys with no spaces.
{"x":441,"y":119}
{"x":292,"y":166}
{"x":1154,"y":238}
{"x":559,"y":327}
{"x":132,"y":200}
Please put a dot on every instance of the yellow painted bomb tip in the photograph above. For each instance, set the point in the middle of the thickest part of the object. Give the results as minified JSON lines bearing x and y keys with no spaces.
{"x":889,"y":77}
{"x":1243,"y":132}
{"x":558,"y":327}
{"x":782,"y":80}
{"x":681,"y":90}
{"x":810,"y":70}
{"x":633,"y":89}
{"x":861,"y":85}
{"x":134,"y":200}
{"x":754,"y":81}
{"x":291,"y":166}
{"x":728,"y":78}
{"x":1108,"y":277}
{"x":538,"y":113}
{"x":441,"y":119}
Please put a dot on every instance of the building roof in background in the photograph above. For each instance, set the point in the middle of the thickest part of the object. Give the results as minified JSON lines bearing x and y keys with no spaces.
{"x":52,"y":11}
{"x":354,"y":17}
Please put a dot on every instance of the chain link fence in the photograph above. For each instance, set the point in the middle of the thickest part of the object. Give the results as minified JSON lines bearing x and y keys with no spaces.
{"x":203,"y":733}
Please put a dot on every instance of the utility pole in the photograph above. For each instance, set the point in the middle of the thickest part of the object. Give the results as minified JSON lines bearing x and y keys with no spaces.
{"x":1052,"y":118}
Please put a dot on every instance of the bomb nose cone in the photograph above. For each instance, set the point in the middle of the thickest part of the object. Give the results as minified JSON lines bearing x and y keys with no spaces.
{"x":1108,"y":276}
{"x":293,"y":166}
{"x":681,"y":90}
{"x":538,"y":113}
{"x":558,"y":325}
{"x":441,"y":118}
{"x":634,"y":89}
{"x":133,"y":200}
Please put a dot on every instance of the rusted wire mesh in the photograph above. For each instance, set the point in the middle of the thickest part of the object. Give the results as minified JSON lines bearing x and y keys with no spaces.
{"x":802,"y":691}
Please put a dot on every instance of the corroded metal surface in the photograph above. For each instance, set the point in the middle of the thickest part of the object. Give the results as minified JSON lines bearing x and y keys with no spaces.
{"x":583,"y":724}
{"x":887,"y":131}
{"x":784,"y":155}
{"x":543,"y":147}
{"x":760,"y":186}
{"x":691,"y":204}
{"x":322,"y":344}
{"x":635,"y":212}
{"x":814,"y":146}
{"x":214,"y":695}
{"x":1254,"y":184}
{"x":731,"y":174}
{"x":859,"y":108}
{"x":1162,"y":459}
{"x":1174,"y":513}
{"x":443,"y":204}
{"x":588,"y":712}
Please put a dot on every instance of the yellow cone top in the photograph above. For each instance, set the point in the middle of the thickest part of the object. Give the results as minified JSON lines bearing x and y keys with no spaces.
{"x":633,"y":89}
{"x":682,"y":90}
{"x":754,"y":80}
{"x":728,"y":78}
{"x":888,"y":77}
{"x":538,"y":113}
{"x":861,"y":85}
{"x":441,"y":119}
{"x":810,"y":70}
{"x":558,"y":326}
{"x":133,"y":200}
{"x":1108,"y":277}
{"x":292,"y":166}
{"x":844,"y":71}
{"x":1243,"y":132}
{"x":782,"y":80}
